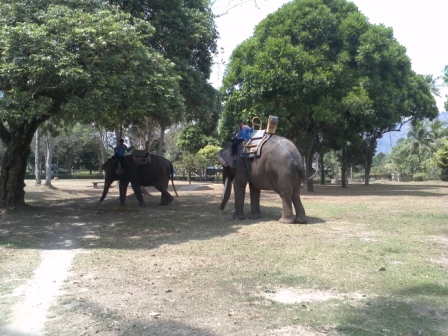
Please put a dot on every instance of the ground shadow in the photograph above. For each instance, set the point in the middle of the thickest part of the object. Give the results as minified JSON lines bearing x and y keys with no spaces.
{"x":391,"y":189}
{"x":404,"y":311}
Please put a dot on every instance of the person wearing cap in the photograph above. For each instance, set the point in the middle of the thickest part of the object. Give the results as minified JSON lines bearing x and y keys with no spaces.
{"x":120,"y":150}
{"x":242,"y":135}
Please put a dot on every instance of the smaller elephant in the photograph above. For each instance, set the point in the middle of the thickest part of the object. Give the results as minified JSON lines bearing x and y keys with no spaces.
{"x":152,"y":170}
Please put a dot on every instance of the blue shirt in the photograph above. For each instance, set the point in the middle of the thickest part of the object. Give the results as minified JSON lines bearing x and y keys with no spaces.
{"x":244,"y":133}
{"x":121,"y":150}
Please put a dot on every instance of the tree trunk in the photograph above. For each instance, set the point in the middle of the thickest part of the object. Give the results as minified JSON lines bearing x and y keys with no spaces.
{"x":37,"y":160}
{"x":49,"y":159}
{"x":162,"y":139}
{"x":309,"y":171}
{"x":12,"y":179}
{"x":344,"y":168}
{"x":367,"y":168}
{"x":149,"y":134}
{"x":368,"y":160}
{"x":103,"y":145}
{"x":322,"y":169}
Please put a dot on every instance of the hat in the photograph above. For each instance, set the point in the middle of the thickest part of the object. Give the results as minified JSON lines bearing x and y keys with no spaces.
{"x":239,"y":121}
{"x":121,"y":140}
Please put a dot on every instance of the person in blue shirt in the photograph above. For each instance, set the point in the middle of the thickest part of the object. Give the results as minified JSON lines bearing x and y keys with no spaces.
{"x":120,"y":150}
{"x":242,"y":135}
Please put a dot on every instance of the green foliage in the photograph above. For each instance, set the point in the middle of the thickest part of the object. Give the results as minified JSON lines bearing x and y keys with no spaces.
{"x":442,"y":161}
{"x":404,"y":163}
{"x":190,"y":163}
{"x":192,"y":139}
{"x":445,"y":81}
{"x":185,"y":34}
{"x":379,"y":165}
{"x":209,"y":153}
{"x":419,"y":177}
{"x":320,"y":66}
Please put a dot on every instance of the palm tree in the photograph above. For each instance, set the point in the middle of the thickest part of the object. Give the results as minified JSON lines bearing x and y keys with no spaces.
{"x":434,"y":87}
{"x":438,"y":131}
{"x":421,"y":142}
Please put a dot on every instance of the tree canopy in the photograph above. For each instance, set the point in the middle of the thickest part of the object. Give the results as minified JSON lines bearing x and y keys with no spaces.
{"x":319,"y":65}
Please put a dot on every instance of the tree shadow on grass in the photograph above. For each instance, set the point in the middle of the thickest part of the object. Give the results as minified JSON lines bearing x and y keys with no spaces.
{"x":75,"y":223}
{"x":409,"y":312}
{"x":89,"y":318}
{"x":422,"y":189}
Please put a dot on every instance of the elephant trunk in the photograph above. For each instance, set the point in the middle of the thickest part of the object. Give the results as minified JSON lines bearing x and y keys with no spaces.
{"x":226,"y":193}
{"x":105,"y":191}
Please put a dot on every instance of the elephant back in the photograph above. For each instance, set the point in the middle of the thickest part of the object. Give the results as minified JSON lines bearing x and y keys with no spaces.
{"x":289,"y":150}
{"x":141,"y":157}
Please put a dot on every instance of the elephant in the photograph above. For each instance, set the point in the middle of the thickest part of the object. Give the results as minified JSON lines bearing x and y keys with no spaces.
{"x":152,"y":170}
{"x":278,"y":167}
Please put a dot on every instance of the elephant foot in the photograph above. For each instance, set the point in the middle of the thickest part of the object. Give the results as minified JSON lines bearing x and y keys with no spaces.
{"x":255,"y":216}
{"x":142,"y":205}
{"x":239,"y":216}
{"x":286,"y":220}
{"x":300,"y":220}
{"x":166,"y":201}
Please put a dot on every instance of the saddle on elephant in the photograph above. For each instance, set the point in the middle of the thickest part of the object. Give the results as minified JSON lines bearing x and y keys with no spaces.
{"x":141,"y":157}
{"x":252,"y":147}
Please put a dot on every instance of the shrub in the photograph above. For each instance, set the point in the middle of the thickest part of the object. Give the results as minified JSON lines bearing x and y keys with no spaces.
{"x":419,"y":177}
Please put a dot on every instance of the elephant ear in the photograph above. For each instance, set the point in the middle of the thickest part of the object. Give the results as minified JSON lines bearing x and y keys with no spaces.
{"x":110,"y":164}
{"x":224,"y":156}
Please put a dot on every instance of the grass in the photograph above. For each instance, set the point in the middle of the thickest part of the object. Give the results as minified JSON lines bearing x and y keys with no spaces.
{"x":371,"y":261}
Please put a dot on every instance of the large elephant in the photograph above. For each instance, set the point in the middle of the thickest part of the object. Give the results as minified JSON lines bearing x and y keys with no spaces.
{"x":153,"y":170}
{"x":279,"y":168}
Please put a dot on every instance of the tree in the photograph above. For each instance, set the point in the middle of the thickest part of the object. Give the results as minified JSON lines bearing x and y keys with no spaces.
{"x":442,"y":161}
{"x":319,"y":66}
{"x":52,"y":55}
{"x":190,"y":163}
{"x":209,"y":155}
{"x":185,"y":34}
{"x":192,"y":139}
{"x":420,"y":141}
{"x":406,"y":165}
{"x":298,"y":66}
{"x":445,"y":82}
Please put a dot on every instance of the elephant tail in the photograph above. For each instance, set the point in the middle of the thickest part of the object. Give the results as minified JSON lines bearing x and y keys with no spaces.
{"x":172,"y":178}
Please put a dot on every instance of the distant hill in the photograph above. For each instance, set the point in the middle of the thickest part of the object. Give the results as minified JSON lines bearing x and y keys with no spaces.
{"x":389,"y":140}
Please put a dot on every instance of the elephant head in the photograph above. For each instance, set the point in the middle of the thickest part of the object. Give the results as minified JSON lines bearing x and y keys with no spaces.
{"x":110,"y":170}
{"x":224,"y":157}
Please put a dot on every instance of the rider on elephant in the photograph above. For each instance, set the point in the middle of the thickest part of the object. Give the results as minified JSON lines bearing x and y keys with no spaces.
{"x":242,"y":135}
{"x":120,"y":150}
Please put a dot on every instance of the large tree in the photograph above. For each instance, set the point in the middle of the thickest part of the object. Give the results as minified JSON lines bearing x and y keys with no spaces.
{"x":55,"y":54}
{"x":185,"y":33}
{"x":299,"y":65}
{"x":321,"y":66}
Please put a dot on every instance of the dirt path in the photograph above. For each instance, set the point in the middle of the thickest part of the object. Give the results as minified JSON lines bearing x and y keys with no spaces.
{"x":36,"y":296}
{"x":39,"y":293}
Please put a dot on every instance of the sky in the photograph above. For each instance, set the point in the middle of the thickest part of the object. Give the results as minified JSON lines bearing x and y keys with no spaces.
{"x":420,"y":26}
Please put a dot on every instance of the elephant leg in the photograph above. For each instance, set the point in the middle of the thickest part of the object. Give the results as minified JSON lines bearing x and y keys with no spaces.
{"x":239,"y":188}
{"x":300,"y":210}
{"x":138,"y":193}
{"x":287,"y":214}
{"x":123,"y":186}
{"x":255,"y":211}
{"x":166,"y":197}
